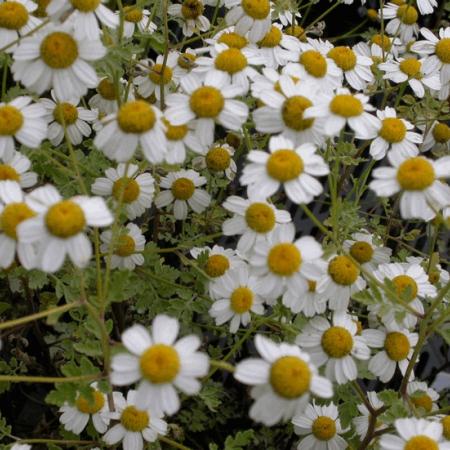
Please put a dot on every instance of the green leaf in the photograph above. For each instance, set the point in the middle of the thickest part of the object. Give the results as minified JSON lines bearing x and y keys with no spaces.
{"x":240,"y":440}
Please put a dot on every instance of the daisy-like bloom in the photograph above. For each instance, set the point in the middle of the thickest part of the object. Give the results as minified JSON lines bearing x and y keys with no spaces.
{"x":369,"y":255}
{"x":285,"y":108}
{"x":59,"y":226}
{"x":185,"y":63}
{"x":76,"y":417}
{"x":438,"y":135}
{"x":341,"y":280}
{"x":285,"y":264}
{"x":361,"y":423}
{"x":254,"y":218}
{"x":15,"y":167}
{"x":67,"y":116}
{"x":136,"y":425}
{"x":423,"y":396}
{"x":182,"y":189}
{"x":191,"y":11}
{"x":136,"y":18}
{"x":136,"y":191}
{"x":84,"y":16}
{"x":136,"y":123}
{"x":161,"y":363}
{"x":418,"y":179}
{"x":403,"y":21}
{"x":414,"y":434}
{"x":337,"y":345}
{"x":293,"y":168}
{"x":13,"y":211}
{"x":311,"y":303}
{"x":397,"y":346}
{"x":54,"y":57}
{"x":436,"y":275}
{"x":236,"y":298}
{"x":412,"y":71}
{"x":346,"y":108}
{"x":16,"y":20}
{"x":128,"y":248}
{"x":218,"y":159}
{"x":21,"y":121}
{"x":395,"y":135}
{"x":105,"y":100}
{"x":283,"y":380}
{"x":208,"y":102}
{"x":252,"y":16}
{"x":321,"y":427}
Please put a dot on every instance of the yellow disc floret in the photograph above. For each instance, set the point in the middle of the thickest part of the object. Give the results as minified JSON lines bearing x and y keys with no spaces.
{"x":393,"y":130}
{"x":443,"y":50}
{"x":40,"y":11}
{"x":175,"y":132}
{"x":207,"y":102}
{"x":106,"y":89}
{"x":8,"y":173}
{"x":218,"y":159}
{"x":256,"y":9}
{"x":312,"y":285}
{"x":59,"y":50}
{"x":396,"y":346}
{"x":382,"y":41}
{"x":65,"y":219}
{"x":343,"y":270}
{"x":345,"y":105}
{"x":284,"y":259}
{"x":260,"y":217}
{"x":182,"y":188}
{"x":85,"y":5}
{"x":233,"y":40}
{"x":407,"y":14}
{"x":13,"y":15}
{"x":292,"y":112}
{"x":160,"y":363}
{"x":272,"y":38}
{"x":133,"y":14}
{"x":11,"y":120}
{"x":411,"y":67}
{"x":241,"y":300}
{"x":90,"y":406}
{"x":12,"y":215}
{"x":362,"y":251}
{"x":415,"y":174}
{"x":157,"y":74}
{"x":314,"y":63}
{"x":231,"y":60}
{"x":324,"y":428}
{"x":446,"y":427}
{"x":296,"y":31}
{"x":441,"y":133}
{"x":191,"y":9}
{"x":217,"y":265}
{"x":284,"y":165}
{"x":372,"y":15}
{"x":186,"y":60}
{"x":405,"y":286}
{"x":125,"y":246}
{"x":337,"y":342}
{"x":423,"y":401}
{"x":290,"y":377}
{"x":136,"y":117}
{"x":127,"y":188}
{"x":344,"y":57}
{"x":134,"y":420}
{"x":65,"y":113}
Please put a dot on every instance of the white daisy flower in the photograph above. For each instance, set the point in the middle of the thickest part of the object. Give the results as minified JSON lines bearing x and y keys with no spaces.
{"x":311,"y":303}
{"x":218,"y":159}
{"x":136,"y":124}
{"x":55,"y":58}
{"x":403,"y":21}
{"x":361,"y":423}
{"x":182,"y":189}
{"x":136,"y":190}
{"x":160,"y":363}
{"x":137,"y":19}
{"x":127,"y":253}
{"x":418,"y":179}
{"x":76,"y":417}
{"x":16,"y":20}
{"x":15,"y":167}
{"x":436,"y":275}
{"x":438,"y":135}
{"x":191,"y":11}
{"x":236,"y":298}
{"x":208,"y":102}
{"x":283,"y":381}
{"x":423,"y":396}
{"x":23,"y":122}
{"x":136,"y":425}
{"x":294,"y":168}
{"x":321,"y":427}
{"x":185,"y":63}
{"x":253,"y":218}
{"x":397,"y":346}
{"x":105,"y":100}
{"x":382,"y":47}
{"x":14,"y":211}
{"x":337,"y":345}
{"x":285,"y":264}
{"x":59,"y":227}
{"x":67,"y":115}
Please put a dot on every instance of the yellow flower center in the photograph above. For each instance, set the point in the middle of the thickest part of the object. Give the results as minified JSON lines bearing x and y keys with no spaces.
{"x":312,"y":285}
{"x":344,"y":57}
{"x":296,"y":31}
{"x":182,"y":188}
{"x":106,"y":89}
{"x":405,"y":286}
{"x":136,"y":117}
{"x":133,"y":419}
{"x":260,"y":217}
{"x":359,"y":327}
{"x":324,"y":428}
{"x":8,"y":173}
{"x":233,"y":40}
{"x":284,"y":165}
{"x":361,"y":251}
{"x":90,"y":406}
{"x":85,"y":5}
{"x":290,"y":377}
{"x":272,"y":38}
{"x":342,"y":270}
{"x":407,"y":14}
{"x":175,"y":132}
{"x":186,"y":60}
{"x":13,"y":15}
{"x":443,"y":50}
{"x":241,"y":300}
{"x":160,"y":363}
{"x":12,"y":215}
{"x":372,"y":14}
{"x":411,"y":67}
{"x":157,"y":75}
{"x":346,"y":105}
{"x":337,"y":342}
{"x":217,"y":265}
{"x":59,"y":50}
{"x":65,"y":113}
{"x":284,"y":259}
{"x":393,"y":130}
{"x":191,"y":9}
{"x":231,"y":61}
{"x":11,"y":120}
{"x":126,"y":187}
{"x":441,"y":133}
{"x":423,"y":401}
{"x":415,"y":174}
{"x":446,"y":427}
{"x":41,"y":9}
{"x":292,"y":113}
{"x":207,"y":101}
{"x":218,"y":159}
{"x":421,"y":442}
{"x":314,"y":63}
{"x":434,"y":276}
{"x":125,"y":246}
{"x":133,"y":14}
{"x":65,"y":219}
{"x":256,"y":9}
{"x":397,"y":346}
{"x":382,"y":41}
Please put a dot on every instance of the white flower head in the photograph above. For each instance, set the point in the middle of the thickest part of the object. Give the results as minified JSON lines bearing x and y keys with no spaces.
{"x":15,"y":167}
{"x":191,"y":12}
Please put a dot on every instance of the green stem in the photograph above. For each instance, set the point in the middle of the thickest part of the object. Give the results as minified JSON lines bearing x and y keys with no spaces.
{"x":36,"y":379}
{"x":222,"y":365}
{"x":172,"y":443}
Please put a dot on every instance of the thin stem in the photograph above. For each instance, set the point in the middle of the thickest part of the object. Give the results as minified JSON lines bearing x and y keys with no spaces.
{"x":172,"y":443}
{"x":166,"y":50}
{"x":222,"y":365}
{"x":36,"y":379}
